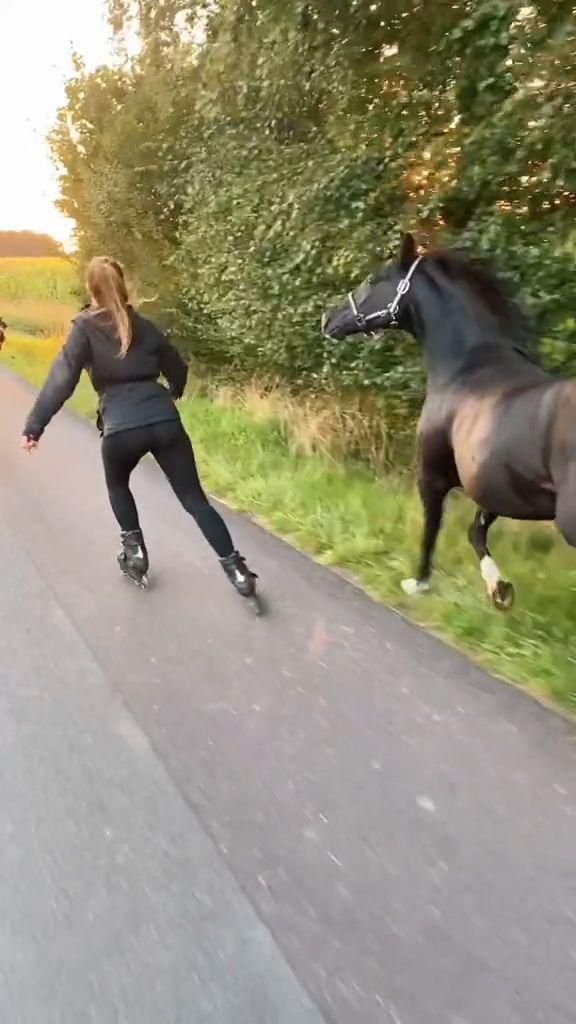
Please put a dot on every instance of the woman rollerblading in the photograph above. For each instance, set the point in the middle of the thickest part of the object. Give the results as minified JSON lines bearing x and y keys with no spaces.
{"x":125,"y":355}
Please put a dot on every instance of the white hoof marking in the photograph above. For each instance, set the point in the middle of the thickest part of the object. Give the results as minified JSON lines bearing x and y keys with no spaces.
{"x":490,"y":573}
{"x":415,"y":587}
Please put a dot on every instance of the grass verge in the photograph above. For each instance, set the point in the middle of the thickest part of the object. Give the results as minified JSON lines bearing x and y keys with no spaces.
{"x":369,"y":526}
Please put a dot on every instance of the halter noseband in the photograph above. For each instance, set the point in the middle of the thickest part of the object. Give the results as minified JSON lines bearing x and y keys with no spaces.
{"x":390,"y":313}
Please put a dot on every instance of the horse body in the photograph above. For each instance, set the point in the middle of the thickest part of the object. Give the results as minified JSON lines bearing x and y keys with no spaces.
{"x":493,"y":422}
{"x":480,"y":435}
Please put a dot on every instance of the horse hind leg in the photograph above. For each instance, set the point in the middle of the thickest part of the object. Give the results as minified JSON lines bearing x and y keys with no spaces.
{"x":500,"y":591}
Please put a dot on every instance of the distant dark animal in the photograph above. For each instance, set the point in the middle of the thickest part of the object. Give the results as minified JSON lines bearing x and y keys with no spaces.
{"x":493,"y":423}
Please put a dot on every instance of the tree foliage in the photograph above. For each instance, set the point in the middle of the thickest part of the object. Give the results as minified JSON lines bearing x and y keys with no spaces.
{"x":258,"y":156}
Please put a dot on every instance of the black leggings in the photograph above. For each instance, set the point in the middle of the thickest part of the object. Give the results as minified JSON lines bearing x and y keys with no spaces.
{"x":170,"y":445}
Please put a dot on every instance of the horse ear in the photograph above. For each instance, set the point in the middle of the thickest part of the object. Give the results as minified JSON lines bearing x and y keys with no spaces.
{"x":408,"y":251}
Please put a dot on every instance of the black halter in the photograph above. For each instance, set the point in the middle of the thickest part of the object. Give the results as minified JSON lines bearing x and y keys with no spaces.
{"x":388,"y":315}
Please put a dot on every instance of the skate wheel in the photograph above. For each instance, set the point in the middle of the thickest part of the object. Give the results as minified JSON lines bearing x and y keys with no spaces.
{"x":138,"y":581}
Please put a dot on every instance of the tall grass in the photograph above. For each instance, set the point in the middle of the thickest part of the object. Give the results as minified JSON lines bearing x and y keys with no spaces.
{"x":341,"y":425}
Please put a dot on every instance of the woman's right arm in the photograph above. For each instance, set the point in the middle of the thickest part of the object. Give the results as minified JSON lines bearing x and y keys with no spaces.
{"x":60,"y":383}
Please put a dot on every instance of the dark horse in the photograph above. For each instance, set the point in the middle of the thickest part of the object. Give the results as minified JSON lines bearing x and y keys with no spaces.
{"x":493,"y":423}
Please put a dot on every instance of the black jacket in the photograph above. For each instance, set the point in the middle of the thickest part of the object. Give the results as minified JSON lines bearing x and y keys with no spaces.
{"x":129,"y":390}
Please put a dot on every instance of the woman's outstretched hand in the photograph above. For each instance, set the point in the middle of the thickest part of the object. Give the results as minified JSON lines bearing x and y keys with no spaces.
{"x":28,"y":444}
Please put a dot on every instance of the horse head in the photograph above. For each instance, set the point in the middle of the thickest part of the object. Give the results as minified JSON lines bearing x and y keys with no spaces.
{"x":376,"y":304}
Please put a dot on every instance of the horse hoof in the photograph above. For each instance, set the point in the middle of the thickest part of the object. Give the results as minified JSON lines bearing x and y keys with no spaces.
{"x":415,"y":587}
{"x":503,"y":596}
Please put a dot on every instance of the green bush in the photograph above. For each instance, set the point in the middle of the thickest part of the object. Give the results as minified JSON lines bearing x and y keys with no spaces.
{"x":249,"y":179}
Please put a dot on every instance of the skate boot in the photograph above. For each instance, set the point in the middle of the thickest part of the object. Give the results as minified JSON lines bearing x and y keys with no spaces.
{"x":133,"y":558}
{"x":242,"y":578}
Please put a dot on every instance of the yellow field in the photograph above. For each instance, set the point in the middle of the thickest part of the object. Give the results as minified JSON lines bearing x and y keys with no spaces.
{"x":46,"y":278}
{"x":39,"y":296}
{"x":45,"y":318}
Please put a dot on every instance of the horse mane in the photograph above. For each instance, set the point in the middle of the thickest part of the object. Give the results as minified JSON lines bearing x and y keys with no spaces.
{"x":490,"y":289}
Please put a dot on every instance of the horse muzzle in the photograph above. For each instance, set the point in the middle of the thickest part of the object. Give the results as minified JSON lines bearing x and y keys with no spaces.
{"x":332,"y":334}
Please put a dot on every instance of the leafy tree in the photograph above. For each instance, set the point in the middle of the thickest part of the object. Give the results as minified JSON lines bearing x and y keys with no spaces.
{"x":258,"y":156}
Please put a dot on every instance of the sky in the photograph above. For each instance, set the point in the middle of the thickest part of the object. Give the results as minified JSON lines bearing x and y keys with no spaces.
{"x":38,"y":38}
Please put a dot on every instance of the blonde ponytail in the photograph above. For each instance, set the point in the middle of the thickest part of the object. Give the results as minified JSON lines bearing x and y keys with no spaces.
{"x":107,"y":286}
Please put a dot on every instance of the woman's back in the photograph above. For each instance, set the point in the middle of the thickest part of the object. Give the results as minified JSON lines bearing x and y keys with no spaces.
{"x":128,"y":385}
{"x":107,"y":367}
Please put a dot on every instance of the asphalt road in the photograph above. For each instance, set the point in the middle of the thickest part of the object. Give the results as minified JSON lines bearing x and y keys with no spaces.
{"x":206,"y":818}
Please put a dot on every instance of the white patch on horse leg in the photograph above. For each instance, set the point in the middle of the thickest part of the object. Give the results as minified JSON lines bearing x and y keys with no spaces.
{"x":415,"y":587}
{"x":490,"y":573}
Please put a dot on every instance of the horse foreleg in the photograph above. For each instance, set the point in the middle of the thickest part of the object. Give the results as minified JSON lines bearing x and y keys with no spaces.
{"x":432,"y":496}
{"x":500,"y":592}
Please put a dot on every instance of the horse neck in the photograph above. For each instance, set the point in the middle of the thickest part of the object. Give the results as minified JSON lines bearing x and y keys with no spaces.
{"x":451,"y":325}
